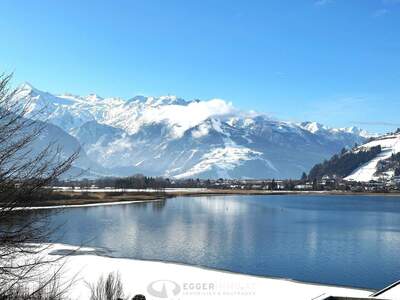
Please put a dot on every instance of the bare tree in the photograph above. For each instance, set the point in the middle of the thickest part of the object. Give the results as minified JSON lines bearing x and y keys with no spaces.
{"x":109,"y":288}
{"x":25,"y":173}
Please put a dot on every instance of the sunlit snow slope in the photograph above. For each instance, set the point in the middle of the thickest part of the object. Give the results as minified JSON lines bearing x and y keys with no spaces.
{"x":390,"y":145}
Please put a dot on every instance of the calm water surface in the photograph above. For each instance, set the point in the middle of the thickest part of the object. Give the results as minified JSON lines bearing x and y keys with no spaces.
{"x":344,"y":240}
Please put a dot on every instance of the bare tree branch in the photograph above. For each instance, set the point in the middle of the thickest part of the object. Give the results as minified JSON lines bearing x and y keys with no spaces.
{"x":25,"y":174}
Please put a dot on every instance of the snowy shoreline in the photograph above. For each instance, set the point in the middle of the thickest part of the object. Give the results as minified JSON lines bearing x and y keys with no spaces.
{"x":86,"y":205}
{"x":142,"y":276}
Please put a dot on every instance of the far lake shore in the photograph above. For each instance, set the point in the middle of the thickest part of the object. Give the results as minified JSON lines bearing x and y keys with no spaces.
{"x":97,"y":197}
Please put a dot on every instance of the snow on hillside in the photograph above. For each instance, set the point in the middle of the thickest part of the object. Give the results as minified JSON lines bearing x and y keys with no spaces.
{"x":223,"y":159}
{"x":173,"y":137}
{"x":390,"y":144}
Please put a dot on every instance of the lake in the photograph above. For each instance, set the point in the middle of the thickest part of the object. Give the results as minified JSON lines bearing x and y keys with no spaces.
{"x":340,"y":240}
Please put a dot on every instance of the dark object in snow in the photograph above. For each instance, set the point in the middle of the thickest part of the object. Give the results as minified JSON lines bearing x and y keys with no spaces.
{"x":139,"y":297}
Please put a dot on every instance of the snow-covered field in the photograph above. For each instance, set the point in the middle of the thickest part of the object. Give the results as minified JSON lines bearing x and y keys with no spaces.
{"x":159,"y":280}
{"x":96,"y":190}
{"x":390,"y":145}
{"x":83,"y":205}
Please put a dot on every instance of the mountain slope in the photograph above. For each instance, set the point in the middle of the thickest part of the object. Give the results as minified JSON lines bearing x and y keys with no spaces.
{"x":172,"y":137}
{"x":60,"y":145}
{"x":377,"y":159}
{"x":390,"y":145}
{"x":344,"y":164}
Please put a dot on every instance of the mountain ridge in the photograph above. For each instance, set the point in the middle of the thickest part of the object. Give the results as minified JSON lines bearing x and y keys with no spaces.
{"x":169,"y":136}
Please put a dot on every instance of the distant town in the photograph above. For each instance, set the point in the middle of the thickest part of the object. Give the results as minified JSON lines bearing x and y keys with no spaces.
{"x":326,"y":183}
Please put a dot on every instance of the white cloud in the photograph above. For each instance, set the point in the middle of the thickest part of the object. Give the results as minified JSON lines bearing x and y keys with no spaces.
{"x":183,"y":117}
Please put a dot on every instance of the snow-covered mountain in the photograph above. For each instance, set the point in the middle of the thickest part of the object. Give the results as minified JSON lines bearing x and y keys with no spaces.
{"x":172,"y":137}
{"x":60,"y":145}
{"x":320,"y":129}
{"x":384,"y":164}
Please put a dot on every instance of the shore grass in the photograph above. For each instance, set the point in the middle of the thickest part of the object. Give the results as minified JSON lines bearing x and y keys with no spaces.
{"x":72,"y":198}
{"x":67,"y":198}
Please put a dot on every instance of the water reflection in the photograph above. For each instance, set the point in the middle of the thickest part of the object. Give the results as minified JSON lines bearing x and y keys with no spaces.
{"x":158,"y":205}
{"x":336,"y":240}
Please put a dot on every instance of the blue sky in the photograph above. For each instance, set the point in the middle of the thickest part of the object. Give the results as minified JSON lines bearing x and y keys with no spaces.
{"x":332,"y":61}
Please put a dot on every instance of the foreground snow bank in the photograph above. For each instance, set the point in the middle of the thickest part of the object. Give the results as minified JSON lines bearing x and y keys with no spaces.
{"x":159,"y":280}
